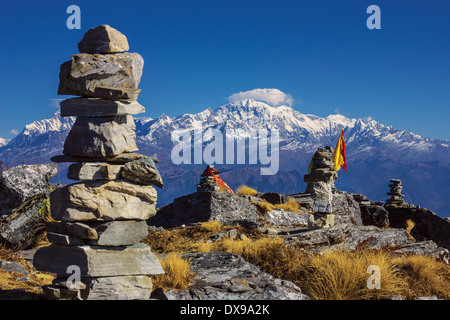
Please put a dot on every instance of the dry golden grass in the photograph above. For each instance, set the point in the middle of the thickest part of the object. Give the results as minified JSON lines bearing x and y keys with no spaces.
{"x":10,"y":288}
{"x":342,"y":275}
{"x":246,"y":191}
{"x":292,"y":205}
{"x":332,"y":275}
{"x":177,"y":273}
{"x":425,"y":276}
{"x":263,"y":207}
{"x":409,"y":226}
{"x":211,"y":226}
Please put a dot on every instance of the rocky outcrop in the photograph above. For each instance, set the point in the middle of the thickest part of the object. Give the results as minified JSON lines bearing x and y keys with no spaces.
{"x":227,"y":208}
{"x":348,"y":237}
{"x":345,"y":208}
{"x":20,"y":184}
{"x":427,"y":224}
{"x":426,"y":248}
{"x":226,"y":276}
{"x":24,"y":194}
{"x":3,"y":166}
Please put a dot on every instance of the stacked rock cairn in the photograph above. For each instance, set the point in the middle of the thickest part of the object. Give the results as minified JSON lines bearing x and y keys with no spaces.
{"x":320,"y":183}
{"x":207,"y":183}
{"x":395,"y":192}
{"x":100,"y":220}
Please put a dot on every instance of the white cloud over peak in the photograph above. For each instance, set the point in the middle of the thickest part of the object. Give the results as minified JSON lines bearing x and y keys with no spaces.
{"x":273,"y":97}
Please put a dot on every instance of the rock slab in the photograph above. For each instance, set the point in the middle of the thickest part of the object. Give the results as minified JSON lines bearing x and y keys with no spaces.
{"x":95,"y":261}
{"x":227,"y":276}
{"x":104,"y":201}
{"x":95,"y":107}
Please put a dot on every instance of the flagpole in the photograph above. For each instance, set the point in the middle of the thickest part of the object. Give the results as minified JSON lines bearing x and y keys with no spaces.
{"x":339,"y":183}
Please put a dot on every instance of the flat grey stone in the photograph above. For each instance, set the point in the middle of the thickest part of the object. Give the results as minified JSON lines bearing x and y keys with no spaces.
{"x":76,"y":229}
{"x":112,"y":233}
{"x":117,"y":93}
{"x":94,"y":171}
{"x":96,"y":261}
{"x":101,"y":137}
{"x":120,"y":158}
{"x":95,"y":107}
{"x":226,"y":276}
{"x":104,"y":288}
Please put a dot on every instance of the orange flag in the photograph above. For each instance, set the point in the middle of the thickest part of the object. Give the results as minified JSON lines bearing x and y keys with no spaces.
{"x":220,"y":182}
{"x":339,"y":157}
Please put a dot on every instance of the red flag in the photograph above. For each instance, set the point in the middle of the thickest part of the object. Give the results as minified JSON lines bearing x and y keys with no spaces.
{"x":339,"y":156}
{"x":220,"y":182}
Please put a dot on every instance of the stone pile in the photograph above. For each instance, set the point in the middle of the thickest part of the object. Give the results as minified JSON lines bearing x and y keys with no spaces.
{"x":320,"y":183}
{"x":101,"y":220}
{"x":207,"y":182}
{"x":396,"y":195}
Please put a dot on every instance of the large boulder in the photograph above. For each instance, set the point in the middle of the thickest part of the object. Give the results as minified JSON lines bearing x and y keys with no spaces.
{"x":24,"y":203}
{"x":24,"y":183}
{"x":227,"y":276}
{"x":222,"y":206}
{"x":427,"y":224}
{"x":85,"y":72}
{"x":374,"y":215}
{"x":346,"y":209}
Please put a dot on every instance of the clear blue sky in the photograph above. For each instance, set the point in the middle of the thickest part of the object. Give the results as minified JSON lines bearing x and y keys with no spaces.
{"x":199,"y":52}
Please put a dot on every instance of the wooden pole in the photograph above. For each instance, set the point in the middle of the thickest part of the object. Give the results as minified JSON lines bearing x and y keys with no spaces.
{"x":339,"y":183}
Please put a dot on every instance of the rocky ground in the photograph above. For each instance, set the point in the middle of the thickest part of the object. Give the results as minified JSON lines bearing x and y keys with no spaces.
{"x":220,"y":272}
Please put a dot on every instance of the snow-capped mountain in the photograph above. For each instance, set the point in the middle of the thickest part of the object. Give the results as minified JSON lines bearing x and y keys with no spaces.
{"x":38,"y":141}
{"x":4,"y":142}
{"x":375,"y":152}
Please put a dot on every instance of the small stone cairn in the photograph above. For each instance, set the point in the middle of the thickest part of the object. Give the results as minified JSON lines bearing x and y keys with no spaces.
{"x":320,"y":183}
{"x":95,"y":248}
{"x":395,"y":192}
{"x":207,"y":183}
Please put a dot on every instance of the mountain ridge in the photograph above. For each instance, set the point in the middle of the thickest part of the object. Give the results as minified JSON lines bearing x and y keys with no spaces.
{"x":375,"y":152}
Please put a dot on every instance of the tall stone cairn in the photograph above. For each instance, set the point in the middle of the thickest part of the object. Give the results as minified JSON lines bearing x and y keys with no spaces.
{"x":320,"y":183}
{"x":101,"y":219}
{"x":395,"y":192}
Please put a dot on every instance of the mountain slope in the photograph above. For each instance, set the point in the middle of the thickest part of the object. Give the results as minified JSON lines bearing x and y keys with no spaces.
{"x":4,"y":142}
{"x":375,"y":152}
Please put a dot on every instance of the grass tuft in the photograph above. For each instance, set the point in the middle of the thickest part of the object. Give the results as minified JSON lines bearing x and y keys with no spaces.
{"x":246,"y":191}
{"x":177,"y":273}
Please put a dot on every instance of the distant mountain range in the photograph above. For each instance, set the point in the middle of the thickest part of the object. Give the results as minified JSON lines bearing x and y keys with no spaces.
{"x":375,"y":152}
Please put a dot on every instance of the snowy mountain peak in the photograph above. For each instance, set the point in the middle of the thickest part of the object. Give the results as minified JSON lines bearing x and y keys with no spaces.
{"x":56,"y":123}
{"x":4,"y":142}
